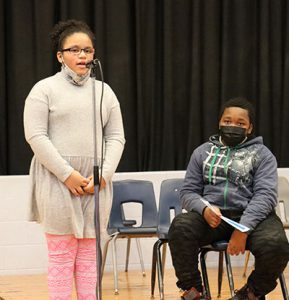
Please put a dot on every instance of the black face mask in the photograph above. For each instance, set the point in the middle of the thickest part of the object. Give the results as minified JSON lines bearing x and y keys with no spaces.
{"x":232,"y":135}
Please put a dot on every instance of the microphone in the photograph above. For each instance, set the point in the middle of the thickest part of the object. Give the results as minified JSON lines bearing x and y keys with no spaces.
{"x":92,"y":63}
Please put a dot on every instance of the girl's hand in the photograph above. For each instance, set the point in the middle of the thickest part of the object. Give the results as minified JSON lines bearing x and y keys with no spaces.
{"x":90,"y":187}
{"x":76,"y":182}
{"x":102,"y":184}
{"x":213,"y":216}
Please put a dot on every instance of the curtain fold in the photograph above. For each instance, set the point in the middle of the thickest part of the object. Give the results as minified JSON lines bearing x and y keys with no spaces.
{"x":171,"y":64}
{"x":3,"y":91}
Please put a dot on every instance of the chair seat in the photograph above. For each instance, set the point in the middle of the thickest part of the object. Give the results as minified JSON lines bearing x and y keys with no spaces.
{"x":133,"y":230}
{"x":163,"y":235}
{"x":129,"y":222}
{"x":218,"y":246}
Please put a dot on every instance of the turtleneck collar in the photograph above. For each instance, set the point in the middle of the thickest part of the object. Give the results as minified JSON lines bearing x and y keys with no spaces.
{"x":74,"y":78}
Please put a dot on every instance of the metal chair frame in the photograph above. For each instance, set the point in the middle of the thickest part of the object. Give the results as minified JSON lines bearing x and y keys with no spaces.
{"x":221,"y":247}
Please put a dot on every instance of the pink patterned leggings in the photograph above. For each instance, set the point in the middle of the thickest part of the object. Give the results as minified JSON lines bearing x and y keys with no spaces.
{"x":68,"y":258}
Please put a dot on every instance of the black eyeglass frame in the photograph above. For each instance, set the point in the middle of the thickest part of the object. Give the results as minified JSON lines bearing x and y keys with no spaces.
{"x":86,"y":50}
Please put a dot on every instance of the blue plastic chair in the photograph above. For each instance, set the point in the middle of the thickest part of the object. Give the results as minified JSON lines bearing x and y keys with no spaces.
{"x":169,"y":200}
{"x":131,"y":191}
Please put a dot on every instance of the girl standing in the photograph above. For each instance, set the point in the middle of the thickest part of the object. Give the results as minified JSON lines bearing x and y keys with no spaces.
{"x":58,"y":123}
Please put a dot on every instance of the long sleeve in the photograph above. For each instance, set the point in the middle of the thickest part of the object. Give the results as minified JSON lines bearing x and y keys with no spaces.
{"x":36,"y":115}
{"x":114,"y":141}
{"x":264,"y":198}
{"x":193,"y":185}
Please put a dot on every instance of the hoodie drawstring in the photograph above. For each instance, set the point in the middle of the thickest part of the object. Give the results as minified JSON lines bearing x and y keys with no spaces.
{"x":226,"y":173}
{"x":212,"y":165}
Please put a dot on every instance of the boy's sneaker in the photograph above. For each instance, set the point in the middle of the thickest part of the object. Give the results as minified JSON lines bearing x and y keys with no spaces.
{"x":193,"y":294}
{"x":245,"y":293}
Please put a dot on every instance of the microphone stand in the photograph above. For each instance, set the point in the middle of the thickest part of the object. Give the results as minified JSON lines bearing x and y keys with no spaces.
{"x":97,"y":179}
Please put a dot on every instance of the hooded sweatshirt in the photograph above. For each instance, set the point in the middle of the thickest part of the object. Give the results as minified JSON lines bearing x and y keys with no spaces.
{"x":241,"y":178}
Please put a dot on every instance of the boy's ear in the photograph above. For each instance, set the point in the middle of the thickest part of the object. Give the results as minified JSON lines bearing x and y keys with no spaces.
{"x":250,"y":128}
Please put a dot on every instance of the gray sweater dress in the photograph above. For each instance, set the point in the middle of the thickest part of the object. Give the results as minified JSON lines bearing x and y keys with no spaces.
{"x":58,"y":124}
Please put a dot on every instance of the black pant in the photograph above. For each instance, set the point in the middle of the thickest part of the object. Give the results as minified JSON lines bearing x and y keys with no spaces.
{"x":268,"y":243}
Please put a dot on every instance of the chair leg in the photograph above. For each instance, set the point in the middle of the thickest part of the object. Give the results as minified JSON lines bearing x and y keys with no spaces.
{"x":247,"y":256}
{"x":220,"y":272}
{"x":164,"y":254}
{"x":230,"y":273}
{"x":204,"y":272}
{"x":127,"y":253}
{"x":283,"y":287}
{"x":140,"y":257}
{"x":115,"y":275}
{"x":104,"y":254}
{"x":160,"y":269}
{"x":154,"y":266}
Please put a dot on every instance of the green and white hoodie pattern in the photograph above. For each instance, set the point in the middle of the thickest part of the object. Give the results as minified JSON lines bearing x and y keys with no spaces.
{"x":242,"y":177}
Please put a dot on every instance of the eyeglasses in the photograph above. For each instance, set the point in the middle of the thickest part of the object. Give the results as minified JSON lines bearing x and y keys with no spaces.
{"x":77,"y":50}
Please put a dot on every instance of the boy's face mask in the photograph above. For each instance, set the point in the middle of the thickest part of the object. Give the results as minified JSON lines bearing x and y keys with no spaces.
{"x":232,"y":135}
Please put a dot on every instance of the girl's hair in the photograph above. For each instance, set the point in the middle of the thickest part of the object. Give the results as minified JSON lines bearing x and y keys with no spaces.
{"x":242,"y":103}
{"x":63,"y":29}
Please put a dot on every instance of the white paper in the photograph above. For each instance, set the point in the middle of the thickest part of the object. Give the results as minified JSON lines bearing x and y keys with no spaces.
{"x":236,"y":225}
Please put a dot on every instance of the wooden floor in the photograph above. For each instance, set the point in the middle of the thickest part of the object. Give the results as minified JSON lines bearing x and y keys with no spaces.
{"x":132,"y":286}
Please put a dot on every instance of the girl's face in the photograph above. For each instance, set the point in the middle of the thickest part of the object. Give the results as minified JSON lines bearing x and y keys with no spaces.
{"x":236,"y":116}
{"x":76,"y":52}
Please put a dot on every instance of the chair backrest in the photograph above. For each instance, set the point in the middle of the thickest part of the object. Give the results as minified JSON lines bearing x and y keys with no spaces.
{"x":133,"y":191}
{"x":169,"y":201}
{"x":282,"y":208}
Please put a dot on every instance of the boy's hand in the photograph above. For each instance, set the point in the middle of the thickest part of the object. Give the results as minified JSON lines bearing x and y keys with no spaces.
{"x":237,"y":243}
{"x":213,"y":216}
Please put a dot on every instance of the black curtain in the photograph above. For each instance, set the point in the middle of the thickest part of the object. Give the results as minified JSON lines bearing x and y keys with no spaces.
{"x":172,"y":63}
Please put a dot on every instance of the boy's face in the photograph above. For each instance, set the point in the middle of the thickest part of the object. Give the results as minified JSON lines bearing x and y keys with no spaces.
{"x":236,"y":116}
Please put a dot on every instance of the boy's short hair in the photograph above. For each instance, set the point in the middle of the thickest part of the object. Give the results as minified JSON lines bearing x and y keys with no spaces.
{"x":241,"y":102}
